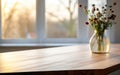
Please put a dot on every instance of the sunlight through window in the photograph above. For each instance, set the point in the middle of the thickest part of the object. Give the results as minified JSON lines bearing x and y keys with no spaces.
{"x":61,"y":18}
{"x":18,"y":19}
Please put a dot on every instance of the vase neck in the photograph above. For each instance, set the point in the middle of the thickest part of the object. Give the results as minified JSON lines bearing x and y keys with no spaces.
{"x":101,"y":31}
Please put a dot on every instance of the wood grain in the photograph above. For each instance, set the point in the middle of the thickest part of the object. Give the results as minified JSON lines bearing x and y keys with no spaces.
{"x":69,"y":60}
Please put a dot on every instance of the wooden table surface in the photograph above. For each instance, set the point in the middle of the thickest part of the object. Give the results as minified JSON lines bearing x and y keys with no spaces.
{"x":68,"y":60}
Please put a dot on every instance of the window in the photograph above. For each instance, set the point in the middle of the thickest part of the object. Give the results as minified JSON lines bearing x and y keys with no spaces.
{"x":61,"y":18}
{"x":42,"y":21}
{"x":18,"y":19}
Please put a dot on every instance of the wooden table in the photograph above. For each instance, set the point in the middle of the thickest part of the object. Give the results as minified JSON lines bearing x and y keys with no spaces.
{"x":69,"y":60}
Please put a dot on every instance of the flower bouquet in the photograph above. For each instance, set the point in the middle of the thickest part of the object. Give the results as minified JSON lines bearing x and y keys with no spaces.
{"x":100,"y":20}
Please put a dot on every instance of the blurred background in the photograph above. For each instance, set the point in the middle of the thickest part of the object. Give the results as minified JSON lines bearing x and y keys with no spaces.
{"x":19,"y":19}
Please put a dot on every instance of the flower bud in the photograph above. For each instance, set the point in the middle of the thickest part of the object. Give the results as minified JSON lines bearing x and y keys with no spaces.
{"x":87,"y":23}
{"x":93,"y":5}
{"x":114,"y":3}
{"x":99,"y":14}
{"x":80,"y":5}
{"x":93,"y":10}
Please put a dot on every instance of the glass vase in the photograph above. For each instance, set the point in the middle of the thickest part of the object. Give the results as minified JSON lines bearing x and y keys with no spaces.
{"x":99,"y":42}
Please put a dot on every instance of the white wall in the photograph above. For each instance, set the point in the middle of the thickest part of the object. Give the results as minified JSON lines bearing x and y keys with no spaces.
{"x":115,"y":30}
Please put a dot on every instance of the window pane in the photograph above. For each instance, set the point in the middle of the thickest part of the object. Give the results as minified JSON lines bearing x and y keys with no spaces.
{"x":61,"y":18}
{"x":18,"y":19}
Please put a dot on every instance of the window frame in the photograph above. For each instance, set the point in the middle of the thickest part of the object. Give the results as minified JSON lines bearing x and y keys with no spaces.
{"x":82,"y":30}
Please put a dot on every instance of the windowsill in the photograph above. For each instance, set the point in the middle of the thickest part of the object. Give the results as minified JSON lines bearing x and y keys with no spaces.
{"x":38,"y":45}
{"x":21,"y":47}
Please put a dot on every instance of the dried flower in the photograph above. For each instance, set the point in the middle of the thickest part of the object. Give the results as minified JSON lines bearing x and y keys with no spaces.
{"x":95,"y":19}
{"x":112,"y":17}
{"x":90,"y":19}
{"x":102,"y":7}
{"x":112,"y":11}
{"x":97,"y":9}
{"x":106,"y":5}
{"x":87,"y":23}
{"x":93,"y":10}
{"x":85,"y":10}
{"x":98,"y":19}
{"x":99,"y":14}
{"x":114,"y":3}
{"x":93,"y":5}
{"x":105,"y":18}
{"x":110,"y":6}
{"x":109,"y":18}
{"x":105,"y":9}
{"x":104,"y":12}
{"x":80,"y":5}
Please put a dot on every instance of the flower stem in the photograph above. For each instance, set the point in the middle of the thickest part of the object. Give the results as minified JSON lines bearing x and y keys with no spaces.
{"x":100,"y":41}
